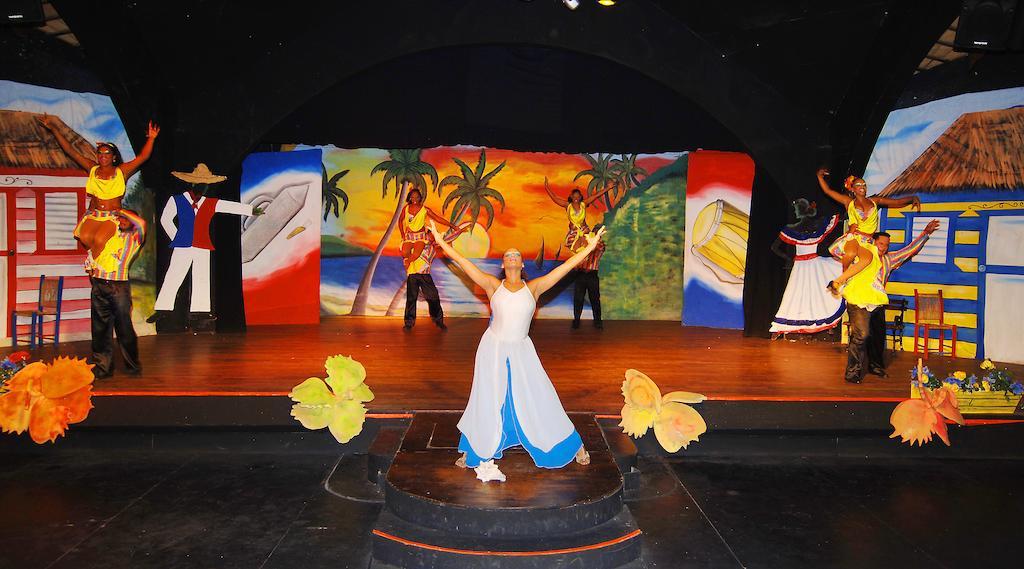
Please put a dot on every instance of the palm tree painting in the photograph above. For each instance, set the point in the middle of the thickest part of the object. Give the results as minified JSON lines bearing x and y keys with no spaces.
{"x":628,"y":173}
{"x":602,"y":172}
{"x":405,"y":168}
{"x":334,"y":197}
{"x":472,"y":192}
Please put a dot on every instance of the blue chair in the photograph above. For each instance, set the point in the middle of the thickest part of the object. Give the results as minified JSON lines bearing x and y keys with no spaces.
{"x":51,"y":291}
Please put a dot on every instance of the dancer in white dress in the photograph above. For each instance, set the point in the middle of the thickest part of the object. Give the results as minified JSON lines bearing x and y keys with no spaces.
{"x":806,"y":309}
{"x":512,"y":401}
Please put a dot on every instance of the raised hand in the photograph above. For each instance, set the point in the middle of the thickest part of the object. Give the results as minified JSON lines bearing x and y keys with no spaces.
{"x":916,"y":203}
{"x":931,"y":227}
{"x":152,"y":130}
{"x":434,"y":231}
{"x":822,"y":172}
{"x":594,"y":238}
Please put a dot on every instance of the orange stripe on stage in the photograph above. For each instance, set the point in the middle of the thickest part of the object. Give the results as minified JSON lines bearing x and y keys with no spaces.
{"x":580,"y":549}
{"x":807,"y":399}
{"x":967,"y":422}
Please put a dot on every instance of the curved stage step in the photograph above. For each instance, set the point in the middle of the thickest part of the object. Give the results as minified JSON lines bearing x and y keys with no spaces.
{"x":437,"y":515}
{"x":426,"y":488}
{"x":611,"y":545}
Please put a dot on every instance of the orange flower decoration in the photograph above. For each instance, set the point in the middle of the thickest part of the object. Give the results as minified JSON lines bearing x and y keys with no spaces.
{"x":45,"y":398}
{"x":916,"y":420}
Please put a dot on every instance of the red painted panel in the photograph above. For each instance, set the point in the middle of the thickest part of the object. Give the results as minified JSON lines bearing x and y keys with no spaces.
{"x":51,"y":259}
{"x":287,"y":296}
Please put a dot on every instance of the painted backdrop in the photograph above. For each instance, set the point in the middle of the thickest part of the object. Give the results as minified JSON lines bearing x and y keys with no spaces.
{"x":718,"y":222}
{"x":502,"y":194}
{"x":281,"y":248}
{"x":964,"y":157}
{"x":38,"y":210}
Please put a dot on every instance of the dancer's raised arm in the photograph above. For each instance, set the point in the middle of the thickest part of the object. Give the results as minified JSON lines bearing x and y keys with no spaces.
{"x":838,"y":196}
{"x":898,"y":203}
{"x":540,"y":285}
{"x":483,"y":280}
{"x":132,"y":166}
{"x":596,"y":196}
{"x":558,"y":201}
{"x":47,"y":121}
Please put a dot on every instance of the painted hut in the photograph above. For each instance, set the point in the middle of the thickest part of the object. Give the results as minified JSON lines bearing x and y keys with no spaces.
{"x":42,"y":197}
{"x":971,"y":179}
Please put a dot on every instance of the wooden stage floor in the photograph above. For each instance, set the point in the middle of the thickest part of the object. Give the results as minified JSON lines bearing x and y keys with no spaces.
{"x":426,"y":368}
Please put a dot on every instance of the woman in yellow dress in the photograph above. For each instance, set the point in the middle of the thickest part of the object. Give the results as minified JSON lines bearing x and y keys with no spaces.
{"x":576,"y":211}
{"x":105,"y":186}
{"x":862,"y":216}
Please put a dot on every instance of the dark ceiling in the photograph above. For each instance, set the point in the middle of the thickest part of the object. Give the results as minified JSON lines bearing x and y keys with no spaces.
{"x":795,"y":83}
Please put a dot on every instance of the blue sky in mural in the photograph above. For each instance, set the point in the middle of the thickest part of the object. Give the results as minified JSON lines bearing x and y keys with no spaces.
{"x":91,"y":115}
{"x":260,"y":166}
{"x":908,"y":132}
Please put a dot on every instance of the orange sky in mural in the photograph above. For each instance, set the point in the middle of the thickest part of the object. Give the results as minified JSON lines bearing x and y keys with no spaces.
{"x":529,"y":215}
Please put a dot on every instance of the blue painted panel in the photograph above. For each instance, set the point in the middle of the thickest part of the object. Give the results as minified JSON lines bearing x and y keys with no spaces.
{"x":928,"y":273}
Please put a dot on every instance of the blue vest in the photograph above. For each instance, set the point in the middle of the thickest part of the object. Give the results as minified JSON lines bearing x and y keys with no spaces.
{"x":186,"y":222}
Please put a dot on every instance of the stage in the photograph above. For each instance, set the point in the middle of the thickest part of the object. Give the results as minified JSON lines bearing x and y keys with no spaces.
{"x":429,"y":369}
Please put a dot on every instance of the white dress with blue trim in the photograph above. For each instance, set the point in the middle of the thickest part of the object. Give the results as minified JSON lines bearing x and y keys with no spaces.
{"x":807,"y":307}
{"x":512,"y":401}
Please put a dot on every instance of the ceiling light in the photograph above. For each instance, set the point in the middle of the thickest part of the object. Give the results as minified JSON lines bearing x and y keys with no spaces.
{"x":571,"y":4}
{"x":606,"y":2}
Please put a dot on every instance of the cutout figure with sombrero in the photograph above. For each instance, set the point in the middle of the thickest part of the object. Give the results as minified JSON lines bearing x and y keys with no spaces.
{"x":190,"y":240}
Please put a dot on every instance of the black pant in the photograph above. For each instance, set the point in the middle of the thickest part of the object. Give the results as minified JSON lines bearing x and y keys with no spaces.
{"x":587,"y":282}
{"x":860,"y":331}
{"x":413,"y":285}
{"x":111,"y":303}
{"x":876,"y":339}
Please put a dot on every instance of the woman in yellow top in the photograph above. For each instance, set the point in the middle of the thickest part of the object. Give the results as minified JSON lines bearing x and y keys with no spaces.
{"x":105,"y":186}
{"x":576,"y":210}
{"x":862,"y":214}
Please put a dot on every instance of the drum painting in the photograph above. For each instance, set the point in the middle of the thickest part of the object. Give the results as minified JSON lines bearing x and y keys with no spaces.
{"x":720,"y":240}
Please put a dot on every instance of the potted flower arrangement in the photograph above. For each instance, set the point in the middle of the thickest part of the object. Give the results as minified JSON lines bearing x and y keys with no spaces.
{"x":996,"y":392}
{"x":10,"y":366}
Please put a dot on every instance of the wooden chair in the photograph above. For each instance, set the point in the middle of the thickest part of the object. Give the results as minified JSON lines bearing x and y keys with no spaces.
{"x":51,"y":291}
{"x":929,"y":314}
{"x":895,"y":328}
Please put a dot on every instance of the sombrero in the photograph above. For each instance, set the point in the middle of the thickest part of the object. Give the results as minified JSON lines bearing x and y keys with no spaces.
{"x":200,"y":175}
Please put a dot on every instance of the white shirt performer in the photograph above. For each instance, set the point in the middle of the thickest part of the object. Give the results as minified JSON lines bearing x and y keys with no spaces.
{"x":512,"y":401}
{"x":190,"y":239}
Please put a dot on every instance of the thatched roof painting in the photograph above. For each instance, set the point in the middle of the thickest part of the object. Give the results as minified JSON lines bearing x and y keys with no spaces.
{"x":979,"y":151}
{"x":24,"y":143}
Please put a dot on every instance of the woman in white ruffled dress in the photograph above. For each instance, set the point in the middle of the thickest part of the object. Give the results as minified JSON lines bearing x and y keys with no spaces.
{"x":807,"y":307}
{"x":512,"y":401}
